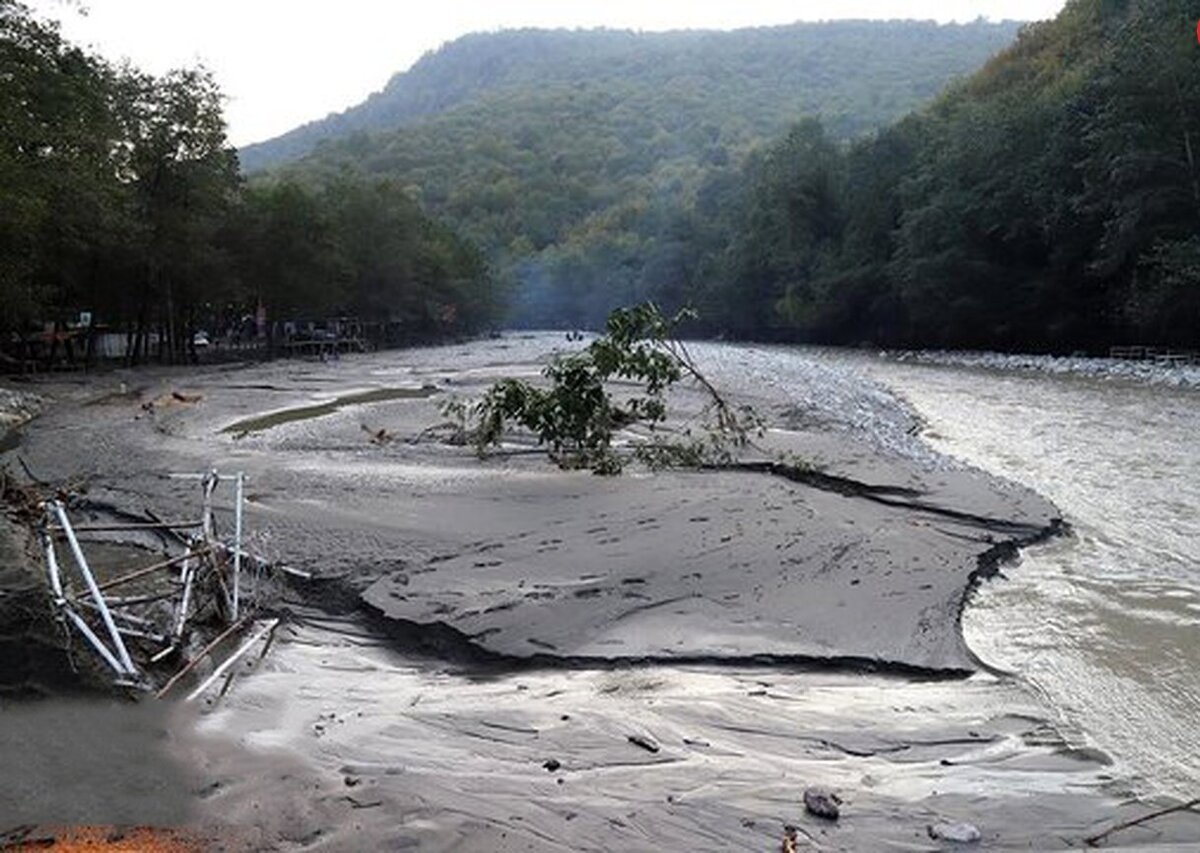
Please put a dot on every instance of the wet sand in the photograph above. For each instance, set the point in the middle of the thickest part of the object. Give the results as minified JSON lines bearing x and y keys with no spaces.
{"x":495,"y":615}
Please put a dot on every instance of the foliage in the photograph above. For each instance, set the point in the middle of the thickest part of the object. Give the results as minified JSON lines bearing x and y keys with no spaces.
{"x":122,"y":198}
{"x":1050,"y":202}
{"x":576,"y":416}
{"x":579,"y":161}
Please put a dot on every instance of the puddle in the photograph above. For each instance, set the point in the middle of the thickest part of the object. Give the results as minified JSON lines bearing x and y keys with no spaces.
{"x":260,"y":423}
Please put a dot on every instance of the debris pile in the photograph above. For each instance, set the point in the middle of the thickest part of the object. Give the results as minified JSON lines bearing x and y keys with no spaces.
{"x":142,"y":623}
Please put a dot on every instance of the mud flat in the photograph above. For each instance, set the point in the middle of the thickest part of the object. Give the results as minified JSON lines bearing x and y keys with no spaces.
{"x":499,"y":655}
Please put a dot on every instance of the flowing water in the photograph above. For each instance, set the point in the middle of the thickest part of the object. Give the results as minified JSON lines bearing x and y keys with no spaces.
{"x":1105,"y":623}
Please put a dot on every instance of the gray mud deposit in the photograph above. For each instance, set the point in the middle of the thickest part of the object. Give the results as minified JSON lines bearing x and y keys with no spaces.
{"x":684,"y":609}
{"x":705,"y":566}
{"x":515,"y":559}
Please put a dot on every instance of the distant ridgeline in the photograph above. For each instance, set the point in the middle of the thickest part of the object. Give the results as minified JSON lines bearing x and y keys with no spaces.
{"x":1050,"y":202}
{"x":592,"y":165}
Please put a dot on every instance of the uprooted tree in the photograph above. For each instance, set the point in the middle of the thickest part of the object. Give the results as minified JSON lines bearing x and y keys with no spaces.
{"x":577,"y":417}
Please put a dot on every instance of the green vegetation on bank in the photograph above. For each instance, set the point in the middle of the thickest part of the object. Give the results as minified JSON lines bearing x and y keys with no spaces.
{"x":577,"y":159}
{"x":1049,"y":202}
{"x":122,"y":199}
{"x":577,"y":416}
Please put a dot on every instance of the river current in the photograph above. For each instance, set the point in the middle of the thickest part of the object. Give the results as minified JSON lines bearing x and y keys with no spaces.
{"x":1104,"y":623}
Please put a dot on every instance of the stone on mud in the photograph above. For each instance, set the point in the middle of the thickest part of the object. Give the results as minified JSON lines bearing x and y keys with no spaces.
{"x":823,"y":803}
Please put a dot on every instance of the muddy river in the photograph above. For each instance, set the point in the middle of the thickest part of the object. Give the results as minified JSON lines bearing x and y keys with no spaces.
{"x":344,"y":738}
{"x":1105,"y":623}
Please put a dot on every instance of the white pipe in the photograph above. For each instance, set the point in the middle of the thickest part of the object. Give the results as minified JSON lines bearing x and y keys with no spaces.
{"x":97,"y":596}
{"x":181,"y":617}
{"x":269,"y":626}
{"x":209,"y":485}
{"x":91,"y":637}
{"x":52,"y":568}
{"x":237,"y":542}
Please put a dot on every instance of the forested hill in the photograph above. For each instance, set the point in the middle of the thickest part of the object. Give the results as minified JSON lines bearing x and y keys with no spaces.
{"x":122,"y":211}
{"x":1049,"y":202}
{"x":753,"y":82}
{"x":578,"y":170}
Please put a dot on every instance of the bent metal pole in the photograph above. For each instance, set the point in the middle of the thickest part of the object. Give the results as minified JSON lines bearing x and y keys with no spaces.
{"x":97,"y":596}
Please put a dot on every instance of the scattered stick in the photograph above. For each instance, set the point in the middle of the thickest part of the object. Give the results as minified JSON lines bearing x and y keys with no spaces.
{"x":28,"y":473}
{"x":1094,"y":840}
{"x":133,"y":525}
{"x":644,"y":742}
{"x":167,"y":528}
{"x":359,"y":804}
{"x":149,"y":570}
{"x":190,"y":665}
{"x":270,"y":626}
{"x":140,"y":599}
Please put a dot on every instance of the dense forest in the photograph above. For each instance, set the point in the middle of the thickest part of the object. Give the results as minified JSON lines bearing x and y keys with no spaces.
{"x":1048,"y":202}
{"x":1051,"y":202}
{"x":568,"y":155}
{"x":122,"y":200}
{"x":750,"y":82}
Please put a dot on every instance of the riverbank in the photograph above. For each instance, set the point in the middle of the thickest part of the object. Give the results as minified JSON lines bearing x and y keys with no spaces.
{"x":1104,"y":623}
{"x":1147,"y":371}
{"x":685,"y":652}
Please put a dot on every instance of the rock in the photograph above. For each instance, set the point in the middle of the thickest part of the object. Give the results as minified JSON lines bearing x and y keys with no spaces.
{"x":961,"y":833}
{"x":823,"y":803}
{"x":644,"y":742}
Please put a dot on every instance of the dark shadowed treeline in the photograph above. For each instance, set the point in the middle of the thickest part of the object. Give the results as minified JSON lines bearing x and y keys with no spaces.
{"x":121,"y":198}
{"x":1049,"y":202}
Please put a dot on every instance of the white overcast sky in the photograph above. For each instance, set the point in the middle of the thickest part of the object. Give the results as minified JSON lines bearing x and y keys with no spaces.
{"x":284,"y":62}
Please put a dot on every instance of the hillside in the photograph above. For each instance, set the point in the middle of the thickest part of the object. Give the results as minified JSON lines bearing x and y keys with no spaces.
{"x":1049,"y":202}
{"x":122,"y":200}
{"x":570,"y":157}
{"x":859,"y":73}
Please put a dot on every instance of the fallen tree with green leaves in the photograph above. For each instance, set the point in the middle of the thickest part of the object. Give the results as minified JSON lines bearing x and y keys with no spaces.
{"x":577,"y":417}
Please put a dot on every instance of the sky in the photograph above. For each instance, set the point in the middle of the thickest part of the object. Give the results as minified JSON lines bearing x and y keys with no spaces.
{"x":284,"y":62}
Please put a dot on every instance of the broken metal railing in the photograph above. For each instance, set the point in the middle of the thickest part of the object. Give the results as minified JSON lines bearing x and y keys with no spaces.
{"x":208,"y":582}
